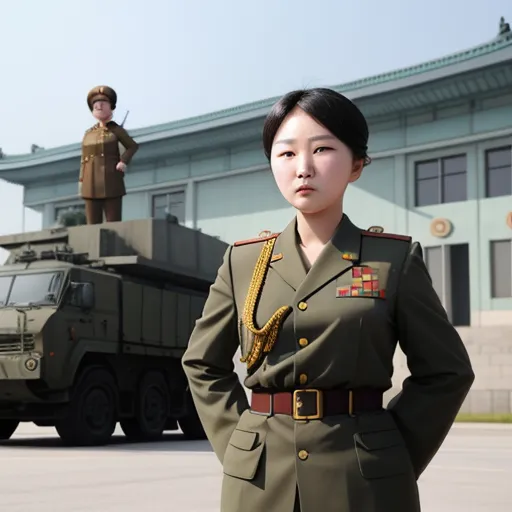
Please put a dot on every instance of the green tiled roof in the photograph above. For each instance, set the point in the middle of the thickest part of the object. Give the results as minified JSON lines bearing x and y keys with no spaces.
{"x":391,"y":76}
{"x":256,"y":107}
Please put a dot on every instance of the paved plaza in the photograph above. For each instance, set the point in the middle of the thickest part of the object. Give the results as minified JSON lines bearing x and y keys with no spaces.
{"x":472,"y":473}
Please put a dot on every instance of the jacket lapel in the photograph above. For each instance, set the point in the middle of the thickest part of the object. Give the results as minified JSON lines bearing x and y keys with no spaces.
{"x":339,"y":255}
{"x":286,"y":260}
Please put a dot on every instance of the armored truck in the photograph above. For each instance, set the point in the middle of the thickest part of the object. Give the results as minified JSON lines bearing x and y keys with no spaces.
{"x":94,"y":320}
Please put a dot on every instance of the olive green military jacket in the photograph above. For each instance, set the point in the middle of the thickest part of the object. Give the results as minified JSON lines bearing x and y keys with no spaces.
{"x":336,"y":332}
{"x":99,"y":177}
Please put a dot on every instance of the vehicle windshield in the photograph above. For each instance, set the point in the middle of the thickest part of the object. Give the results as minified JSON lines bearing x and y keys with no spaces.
{"x":30,"y":289}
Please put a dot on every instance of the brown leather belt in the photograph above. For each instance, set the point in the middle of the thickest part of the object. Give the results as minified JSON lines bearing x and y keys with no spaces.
{"x":310,"y":404}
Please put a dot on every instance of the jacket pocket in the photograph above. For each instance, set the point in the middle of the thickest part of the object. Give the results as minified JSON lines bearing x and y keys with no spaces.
{"x":382,"y":454}
{"x":243,"y":454}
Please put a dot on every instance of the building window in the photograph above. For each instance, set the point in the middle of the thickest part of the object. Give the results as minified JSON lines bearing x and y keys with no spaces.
{"x":59,"y":210}
{"x":169,"y":203}
{"x":501,"y":269}
{"x":443,"y":180}
{"x":498,"y":172}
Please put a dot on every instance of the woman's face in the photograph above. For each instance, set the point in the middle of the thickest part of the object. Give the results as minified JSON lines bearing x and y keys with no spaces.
{"x":312,"y":168}
{"x":101,"y":110}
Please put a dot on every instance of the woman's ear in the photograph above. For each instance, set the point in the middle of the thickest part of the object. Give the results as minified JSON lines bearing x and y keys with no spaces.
{"x":357,"y":169}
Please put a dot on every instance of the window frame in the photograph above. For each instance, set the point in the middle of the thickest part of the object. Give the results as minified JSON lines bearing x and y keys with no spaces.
{"x":168,"y":192}
{"x":440,"y":177}
{"x":488,"y":170}
{"x":492,"y":270}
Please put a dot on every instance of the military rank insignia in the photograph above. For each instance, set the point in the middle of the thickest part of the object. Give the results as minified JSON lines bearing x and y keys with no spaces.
{"x":365,"y":283}
{"x":349,"y":256}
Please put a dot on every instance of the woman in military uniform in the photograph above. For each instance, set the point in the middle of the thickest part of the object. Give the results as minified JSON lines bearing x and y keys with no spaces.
{"x":318,"y":311}
{"x":102,"y":167}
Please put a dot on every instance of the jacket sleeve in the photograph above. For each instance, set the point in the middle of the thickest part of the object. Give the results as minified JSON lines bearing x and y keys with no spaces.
{"x":218,"y":395}
{"x":440,"y":370}
{"x":131,"y":147}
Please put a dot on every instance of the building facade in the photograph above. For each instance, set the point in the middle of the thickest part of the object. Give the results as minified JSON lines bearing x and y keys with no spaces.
{"x":441,"y":144}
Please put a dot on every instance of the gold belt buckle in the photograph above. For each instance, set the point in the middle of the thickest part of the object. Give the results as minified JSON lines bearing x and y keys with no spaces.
{"x":298,"y":403}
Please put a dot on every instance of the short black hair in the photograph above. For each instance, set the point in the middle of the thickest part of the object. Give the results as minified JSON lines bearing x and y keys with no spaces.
{"x":331,"y":109}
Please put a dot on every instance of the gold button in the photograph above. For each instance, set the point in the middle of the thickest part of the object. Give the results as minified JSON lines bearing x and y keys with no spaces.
{"x":303,"y":306}
{"x":303,"y":342}
{"x":303,"y":378}
{"x":303,"y":455}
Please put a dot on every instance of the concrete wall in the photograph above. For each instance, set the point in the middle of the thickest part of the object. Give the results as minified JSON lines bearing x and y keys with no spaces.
{"x":490,"y":350}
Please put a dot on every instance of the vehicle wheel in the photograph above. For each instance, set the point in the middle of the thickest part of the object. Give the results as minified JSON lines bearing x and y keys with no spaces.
{"x":92,"y":414}
{"x":190,"y":423}
{"x":151,"y":409}
{"x":7,"y":429}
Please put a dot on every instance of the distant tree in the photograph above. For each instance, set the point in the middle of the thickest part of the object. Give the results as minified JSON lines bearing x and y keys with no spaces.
{"x":72,"y":218}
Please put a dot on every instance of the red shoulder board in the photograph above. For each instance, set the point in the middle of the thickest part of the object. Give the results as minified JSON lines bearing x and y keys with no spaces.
{"x":257,"y":239}
{"x":388,"y":235}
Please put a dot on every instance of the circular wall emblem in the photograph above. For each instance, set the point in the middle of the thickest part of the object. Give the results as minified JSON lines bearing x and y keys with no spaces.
{"x":440,"y":227}
{"x":509,"y":220}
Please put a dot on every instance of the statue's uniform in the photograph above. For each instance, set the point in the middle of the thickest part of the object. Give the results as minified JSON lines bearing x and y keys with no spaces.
{"x":101,"y":184}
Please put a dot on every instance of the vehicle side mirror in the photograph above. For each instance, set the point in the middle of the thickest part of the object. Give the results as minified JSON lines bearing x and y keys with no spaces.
{"x":82,"y":295}
{"x":87,"y":293}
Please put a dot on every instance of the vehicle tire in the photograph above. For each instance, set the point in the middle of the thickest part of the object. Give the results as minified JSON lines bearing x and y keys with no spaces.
{"x":151,"y":409}
{"x":7,"y":429}
{"x":91,"y":417}
{"x":190,"y":423}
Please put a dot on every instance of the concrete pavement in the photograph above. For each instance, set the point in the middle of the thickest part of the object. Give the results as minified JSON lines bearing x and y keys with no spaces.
{"x":472,"y":473}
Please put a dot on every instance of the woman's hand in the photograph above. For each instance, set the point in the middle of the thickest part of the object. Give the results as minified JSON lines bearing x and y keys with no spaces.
{"x":121,"y":166}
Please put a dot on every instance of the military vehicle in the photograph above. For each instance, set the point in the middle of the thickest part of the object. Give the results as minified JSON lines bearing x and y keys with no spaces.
{"x":94,"y":320}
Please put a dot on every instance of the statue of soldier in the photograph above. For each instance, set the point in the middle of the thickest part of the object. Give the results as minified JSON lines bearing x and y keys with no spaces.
{"x":102,"y":167}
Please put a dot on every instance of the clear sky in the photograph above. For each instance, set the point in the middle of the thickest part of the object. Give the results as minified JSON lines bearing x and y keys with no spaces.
{"x":170,"y":59}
